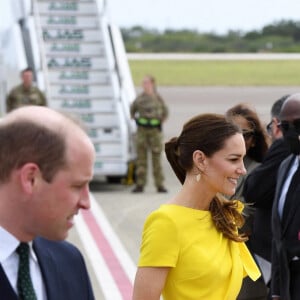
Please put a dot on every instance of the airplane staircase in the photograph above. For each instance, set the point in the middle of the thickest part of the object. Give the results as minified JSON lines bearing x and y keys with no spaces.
{"x":86,"y":73}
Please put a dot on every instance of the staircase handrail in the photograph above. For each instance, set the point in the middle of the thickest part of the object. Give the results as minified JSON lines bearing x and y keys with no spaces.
{"x":40,"y":39}
{"x":103,"y":5}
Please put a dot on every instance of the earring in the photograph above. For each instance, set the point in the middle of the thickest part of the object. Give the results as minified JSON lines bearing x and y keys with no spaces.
{"x":198,"y":177}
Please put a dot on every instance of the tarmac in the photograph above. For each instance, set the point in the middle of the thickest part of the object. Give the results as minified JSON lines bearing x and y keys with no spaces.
{"x":109,"y":236}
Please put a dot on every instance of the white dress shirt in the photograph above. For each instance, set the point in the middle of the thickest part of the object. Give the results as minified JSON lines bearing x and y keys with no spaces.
{"x":9,"y":261}
{"x":286,"y":186}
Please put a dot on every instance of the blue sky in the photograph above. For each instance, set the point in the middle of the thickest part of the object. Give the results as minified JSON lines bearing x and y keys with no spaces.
{"x":203,"y":15}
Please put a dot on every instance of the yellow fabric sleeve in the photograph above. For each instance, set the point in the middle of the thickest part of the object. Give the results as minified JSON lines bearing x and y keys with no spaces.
{"x":160,"y":245}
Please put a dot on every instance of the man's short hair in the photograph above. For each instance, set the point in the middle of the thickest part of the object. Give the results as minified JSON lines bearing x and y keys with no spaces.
{"x":276,"y":107}
{"x":24,"y":141}
{"x":27,"y":70}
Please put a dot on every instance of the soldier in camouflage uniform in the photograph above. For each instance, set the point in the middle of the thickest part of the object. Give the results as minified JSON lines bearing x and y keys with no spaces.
{"x":149,"y":112}
{"x":25,"y":93}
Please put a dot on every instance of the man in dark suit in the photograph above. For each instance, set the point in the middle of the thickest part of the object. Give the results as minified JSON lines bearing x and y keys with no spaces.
{"x":285,"y":282}
{"x":46,"y":165}
{"x":259,"y":191}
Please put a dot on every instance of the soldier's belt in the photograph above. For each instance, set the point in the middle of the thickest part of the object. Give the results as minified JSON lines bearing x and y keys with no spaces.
{"x":150,"y":123}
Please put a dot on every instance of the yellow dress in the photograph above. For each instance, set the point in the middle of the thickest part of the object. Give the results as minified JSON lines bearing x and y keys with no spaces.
{"x":204,"y":264}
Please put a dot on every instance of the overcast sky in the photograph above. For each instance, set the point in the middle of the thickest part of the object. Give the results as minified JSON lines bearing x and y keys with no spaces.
{"x":203,"y":15}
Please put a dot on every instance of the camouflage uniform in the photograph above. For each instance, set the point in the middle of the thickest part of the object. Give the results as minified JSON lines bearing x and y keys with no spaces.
{"x":149,"y":137}
{"x":19,"y":96}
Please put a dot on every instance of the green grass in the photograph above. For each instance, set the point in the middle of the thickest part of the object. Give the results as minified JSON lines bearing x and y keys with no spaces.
{"x":218,"y":73}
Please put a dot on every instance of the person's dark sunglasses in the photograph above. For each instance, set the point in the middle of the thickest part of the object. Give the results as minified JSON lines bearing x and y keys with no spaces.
{"x":247,"y":134}
{"x":269,"y":127}
{"x":286,"y":125}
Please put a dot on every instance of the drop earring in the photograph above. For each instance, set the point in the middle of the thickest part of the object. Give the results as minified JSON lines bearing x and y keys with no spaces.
{"x":198,"y":177}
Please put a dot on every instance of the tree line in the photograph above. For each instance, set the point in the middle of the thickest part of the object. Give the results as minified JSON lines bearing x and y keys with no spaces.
{"x":281,"y":36}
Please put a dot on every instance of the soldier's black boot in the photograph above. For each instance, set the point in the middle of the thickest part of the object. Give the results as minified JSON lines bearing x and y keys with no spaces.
{"x":138,"y":189}
{"x":162,"y":189}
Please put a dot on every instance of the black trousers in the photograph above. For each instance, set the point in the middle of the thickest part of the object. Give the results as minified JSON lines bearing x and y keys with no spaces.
{"x":253,"y":290}
{"x":295,"y":280}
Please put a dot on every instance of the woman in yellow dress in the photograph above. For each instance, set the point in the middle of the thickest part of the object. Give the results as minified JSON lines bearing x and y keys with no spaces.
{"x":191,"y":248}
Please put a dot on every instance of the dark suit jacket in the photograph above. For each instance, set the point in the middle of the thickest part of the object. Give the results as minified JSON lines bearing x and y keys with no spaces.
{"x":259,"y":189}
{"x":63,"y":269}
{"x":286,"y":243}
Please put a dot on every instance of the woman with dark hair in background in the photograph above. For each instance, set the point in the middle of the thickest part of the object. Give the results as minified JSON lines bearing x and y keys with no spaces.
{"x":256,"y":141}
{"x":191,"y":248}
{"x":255,"y":136}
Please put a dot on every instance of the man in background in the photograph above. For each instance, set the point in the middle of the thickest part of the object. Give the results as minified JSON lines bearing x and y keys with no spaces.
{"x":25,"y":93}
{"x":285,"y":281}
{"x":46,"y":166}
{"x":259,"y":191}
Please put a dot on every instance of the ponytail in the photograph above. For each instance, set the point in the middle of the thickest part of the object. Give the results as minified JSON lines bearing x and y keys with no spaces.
{"x":227,"y":217}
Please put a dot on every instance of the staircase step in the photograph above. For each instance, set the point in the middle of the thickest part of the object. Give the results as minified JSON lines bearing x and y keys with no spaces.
{"x":71,"y":35}
{"x":108,"y":149}
{"x":98,"y":124}
{"x":103,"y":134}
{"x":57,"y":8}
{"x":64,"y":22}
{"x":82,"y":77}
{"x":75,"y":48}
{"x":107,"y":166}
{"x":99,"y":119}
{"x":77,"y":63}
{"x":84,"y":105}
{"x":82,"y":91}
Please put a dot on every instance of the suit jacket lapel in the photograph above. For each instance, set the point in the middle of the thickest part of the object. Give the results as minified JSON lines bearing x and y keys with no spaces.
{"x":282,"y":174}
{"x":6,"y":290}
{"x":49,"y":271}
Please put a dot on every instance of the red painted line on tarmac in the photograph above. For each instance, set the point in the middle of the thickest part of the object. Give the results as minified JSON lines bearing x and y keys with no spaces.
{"x":109,"y":256}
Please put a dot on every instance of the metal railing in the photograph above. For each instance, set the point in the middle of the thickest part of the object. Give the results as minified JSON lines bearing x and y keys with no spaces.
{"x":40,"y":39}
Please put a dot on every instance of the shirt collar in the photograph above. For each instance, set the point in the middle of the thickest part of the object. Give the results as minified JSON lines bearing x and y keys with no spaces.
{"x":11,"y":244}
{"x":296,"y":162}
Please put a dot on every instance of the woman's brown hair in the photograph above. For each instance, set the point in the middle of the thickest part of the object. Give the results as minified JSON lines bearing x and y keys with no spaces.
{"x":258,"y":151}
{"x":208,"y":133}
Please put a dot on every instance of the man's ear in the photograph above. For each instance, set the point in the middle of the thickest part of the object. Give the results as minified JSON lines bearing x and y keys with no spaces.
{"x":29,"y":176}
{"x":277,"y":132}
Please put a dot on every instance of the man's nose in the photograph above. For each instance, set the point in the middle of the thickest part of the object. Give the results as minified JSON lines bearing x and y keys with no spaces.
{"x":84,"y":201}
